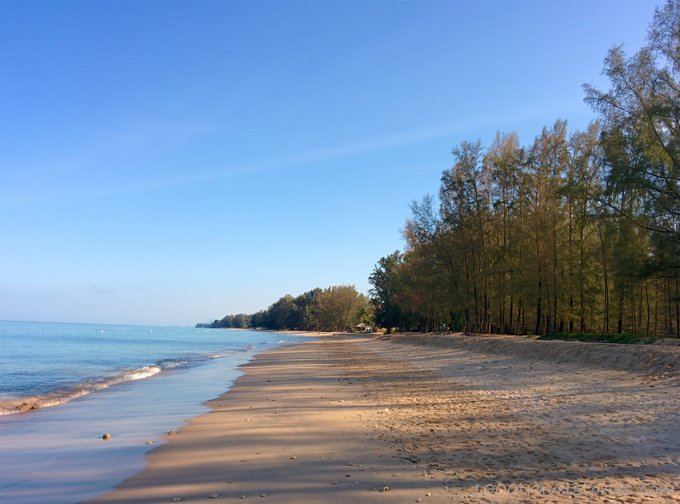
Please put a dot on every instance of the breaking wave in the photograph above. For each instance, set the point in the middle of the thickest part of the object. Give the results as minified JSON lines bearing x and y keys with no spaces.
{"x":10,"y":406}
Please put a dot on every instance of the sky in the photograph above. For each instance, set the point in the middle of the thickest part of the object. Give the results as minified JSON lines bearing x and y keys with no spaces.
{"x":171,"y":162}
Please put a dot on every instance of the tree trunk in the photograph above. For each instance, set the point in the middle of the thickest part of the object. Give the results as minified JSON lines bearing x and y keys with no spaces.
{"x":539,"y":304}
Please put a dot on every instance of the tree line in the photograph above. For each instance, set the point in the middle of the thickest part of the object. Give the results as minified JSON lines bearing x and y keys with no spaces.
{"x":337,"y":308}
{"x":574,"y":232}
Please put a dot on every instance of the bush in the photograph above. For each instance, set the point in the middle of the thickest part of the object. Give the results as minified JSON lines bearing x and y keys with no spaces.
{"x":624,"y":338}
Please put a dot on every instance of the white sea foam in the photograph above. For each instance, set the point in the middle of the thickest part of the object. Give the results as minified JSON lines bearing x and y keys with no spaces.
{"x":55,"y":398}
{"x":140,"y":374}
{"x":48,"y":364}
{"x":172,"y":364}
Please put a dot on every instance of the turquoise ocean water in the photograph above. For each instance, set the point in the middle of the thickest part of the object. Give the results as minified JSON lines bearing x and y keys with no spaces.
{"x":63,"y":385}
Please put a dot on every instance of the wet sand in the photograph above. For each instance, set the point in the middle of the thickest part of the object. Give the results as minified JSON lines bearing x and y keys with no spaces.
{"x":431,"y":419}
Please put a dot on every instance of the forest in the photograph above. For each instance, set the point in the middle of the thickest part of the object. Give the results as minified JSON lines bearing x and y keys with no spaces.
{"x":337,"y":308}
{"x":575,"y":232}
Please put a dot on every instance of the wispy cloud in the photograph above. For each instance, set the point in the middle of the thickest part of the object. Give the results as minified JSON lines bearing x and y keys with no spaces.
{"x":137,"y":138}
{"x":103,"y":291}
{"x":451,"y":129}
{"x":317,"y":155}
{"x":153,"y":135}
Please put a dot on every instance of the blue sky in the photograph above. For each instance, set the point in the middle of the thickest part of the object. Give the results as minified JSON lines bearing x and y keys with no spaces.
{"x":172,"y":162}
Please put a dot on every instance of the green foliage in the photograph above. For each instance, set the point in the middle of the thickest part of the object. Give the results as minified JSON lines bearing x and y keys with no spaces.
{"x":641,"y":134}
{"x":337,"y":308}
{"x":625,"y":338}
{"x":574,"y":233}
{"x":385,"y":282}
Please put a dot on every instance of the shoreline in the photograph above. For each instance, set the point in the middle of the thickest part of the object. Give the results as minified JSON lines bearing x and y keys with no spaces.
{"x":57,"y":454}
{"x":360,"y":418}
{"x":285,"y":430}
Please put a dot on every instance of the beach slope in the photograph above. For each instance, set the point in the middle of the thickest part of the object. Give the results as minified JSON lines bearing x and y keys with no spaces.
{"x":431,"y":419}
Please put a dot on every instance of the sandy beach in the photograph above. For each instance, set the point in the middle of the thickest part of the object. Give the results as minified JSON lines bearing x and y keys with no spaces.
{"x":431,"y":419}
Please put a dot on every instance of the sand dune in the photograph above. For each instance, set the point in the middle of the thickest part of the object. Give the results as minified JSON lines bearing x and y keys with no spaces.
{"x":661,"y":360}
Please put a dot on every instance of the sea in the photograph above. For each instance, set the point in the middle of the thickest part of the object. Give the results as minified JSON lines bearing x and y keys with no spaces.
{"x":63,"y":386}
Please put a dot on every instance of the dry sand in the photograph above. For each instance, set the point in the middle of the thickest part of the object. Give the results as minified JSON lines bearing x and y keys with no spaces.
{"x":431,"y":419}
